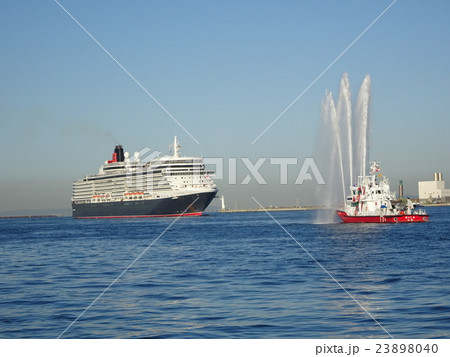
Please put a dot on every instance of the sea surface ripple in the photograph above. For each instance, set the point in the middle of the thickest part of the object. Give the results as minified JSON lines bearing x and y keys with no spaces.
{"x":231,"y":275}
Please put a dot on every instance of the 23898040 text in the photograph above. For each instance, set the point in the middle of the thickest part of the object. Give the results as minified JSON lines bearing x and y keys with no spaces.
{"x":406,"y":348}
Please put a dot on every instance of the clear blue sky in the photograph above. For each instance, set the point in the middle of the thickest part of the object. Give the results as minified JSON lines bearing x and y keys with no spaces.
{"x":225,"y":70}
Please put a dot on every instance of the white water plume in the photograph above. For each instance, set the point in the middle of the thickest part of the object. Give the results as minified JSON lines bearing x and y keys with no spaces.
{"x":343,"y":145}
{"x":361,"y":121}
{"x":344,"y":112}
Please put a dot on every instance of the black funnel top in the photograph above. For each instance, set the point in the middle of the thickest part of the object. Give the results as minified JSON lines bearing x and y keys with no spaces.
{"x":118,"y":150}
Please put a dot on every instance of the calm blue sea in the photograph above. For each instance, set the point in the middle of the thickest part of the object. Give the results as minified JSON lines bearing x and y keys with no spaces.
{"x":232,"y":275}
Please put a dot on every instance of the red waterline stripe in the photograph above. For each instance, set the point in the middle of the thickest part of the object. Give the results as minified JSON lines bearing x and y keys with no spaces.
{"x":158,"y":215}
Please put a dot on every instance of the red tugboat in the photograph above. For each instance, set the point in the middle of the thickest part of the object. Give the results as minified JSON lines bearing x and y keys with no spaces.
{"x":371,"y":202}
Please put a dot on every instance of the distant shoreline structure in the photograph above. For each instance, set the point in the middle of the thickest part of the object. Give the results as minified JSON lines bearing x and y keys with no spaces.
{"x":271,"y":209}
{"x":435,"y":204}
{"x":36,"y":216}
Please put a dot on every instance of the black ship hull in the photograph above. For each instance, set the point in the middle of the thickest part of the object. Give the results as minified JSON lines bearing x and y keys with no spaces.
{"x":186,"y":205}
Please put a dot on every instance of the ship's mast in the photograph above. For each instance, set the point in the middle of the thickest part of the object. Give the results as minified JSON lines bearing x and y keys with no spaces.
{"x":175,"y":147}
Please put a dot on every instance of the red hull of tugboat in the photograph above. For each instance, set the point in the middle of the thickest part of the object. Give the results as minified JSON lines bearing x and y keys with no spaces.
{"x":405,"y":218}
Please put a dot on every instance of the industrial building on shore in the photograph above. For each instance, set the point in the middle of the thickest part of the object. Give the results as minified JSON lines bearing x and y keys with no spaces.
{"x":434,"y":191}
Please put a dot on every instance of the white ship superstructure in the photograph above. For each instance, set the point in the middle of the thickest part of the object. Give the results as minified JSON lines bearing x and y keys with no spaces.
{"x":371,"y":202}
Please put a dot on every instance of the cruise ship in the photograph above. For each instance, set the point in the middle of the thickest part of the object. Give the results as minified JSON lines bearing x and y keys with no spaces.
{"x":126,"y":187}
